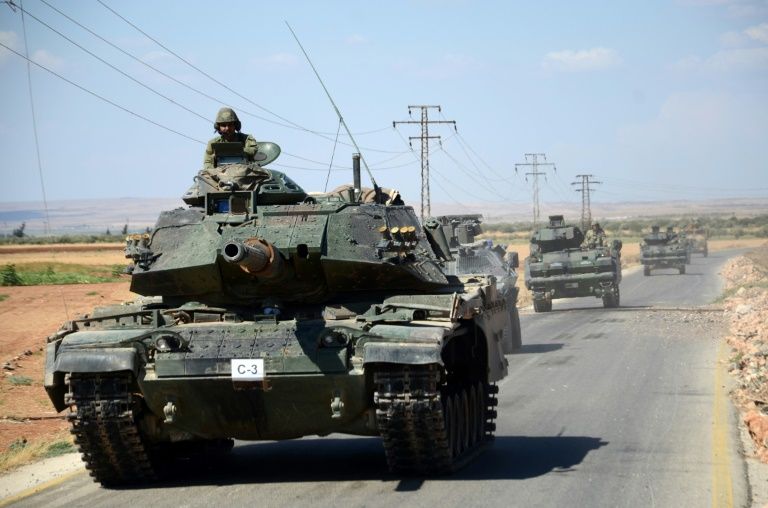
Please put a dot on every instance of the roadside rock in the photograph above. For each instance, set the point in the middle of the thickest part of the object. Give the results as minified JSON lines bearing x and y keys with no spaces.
{"x":746,"y":309}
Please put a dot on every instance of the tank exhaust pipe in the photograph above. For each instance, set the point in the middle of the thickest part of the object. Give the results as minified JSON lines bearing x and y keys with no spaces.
{"x":254,"y":256}
{"x":356,"y":173}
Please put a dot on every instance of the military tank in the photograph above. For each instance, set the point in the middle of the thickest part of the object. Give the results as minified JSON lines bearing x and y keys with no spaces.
{"x":661,"y":249}
{"x":561,"y":265}
{"x":471,"y":256}
{"x":269,"y":314}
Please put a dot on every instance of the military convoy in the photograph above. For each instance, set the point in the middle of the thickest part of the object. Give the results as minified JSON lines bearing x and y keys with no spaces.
{"x":562,"y":265}
{"x":664,"y":250}
{"x":269,"y":314}
{"x":471,"y":256}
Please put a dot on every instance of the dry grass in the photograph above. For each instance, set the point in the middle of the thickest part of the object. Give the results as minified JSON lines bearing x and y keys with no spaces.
{"x":21,"y":452}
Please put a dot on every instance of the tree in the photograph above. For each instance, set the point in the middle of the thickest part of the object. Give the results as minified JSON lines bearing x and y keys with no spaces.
{"x":19,"y":231}
{"x":125,"y":229}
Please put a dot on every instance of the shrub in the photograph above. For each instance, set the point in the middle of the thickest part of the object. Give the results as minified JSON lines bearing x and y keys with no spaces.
{"x":9,"y":276}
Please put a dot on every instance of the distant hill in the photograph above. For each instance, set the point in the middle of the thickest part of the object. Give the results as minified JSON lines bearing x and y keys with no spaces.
{"x":98,"y":215}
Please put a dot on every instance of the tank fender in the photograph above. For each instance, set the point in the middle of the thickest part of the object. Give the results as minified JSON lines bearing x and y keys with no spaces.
{"x":82,"y":360}
{"x":97,"y":360}
{"x":405,"y":345}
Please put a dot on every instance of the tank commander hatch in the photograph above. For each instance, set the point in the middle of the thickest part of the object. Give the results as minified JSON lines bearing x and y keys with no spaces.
{"x":228,"y":126}
{"x":595,"y":237}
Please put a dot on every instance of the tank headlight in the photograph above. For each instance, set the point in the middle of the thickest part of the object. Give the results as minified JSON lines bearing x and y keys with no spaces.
{"x":167,"y":343}
{"x":332,"y":338}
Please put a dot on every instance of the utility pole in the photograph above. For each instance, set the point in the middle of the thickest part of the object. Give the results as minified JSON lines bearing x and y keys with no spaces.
{"x":532,"y":160}
{"x":425,"y":137}
{"x":586,"y":204}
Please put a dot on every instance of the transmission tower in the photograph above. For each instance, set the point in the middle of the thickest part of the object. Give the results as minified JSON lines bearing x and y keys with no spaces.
{"x":425,"y":137}
{"x":586,"y":204}
{"x":532,"y":161}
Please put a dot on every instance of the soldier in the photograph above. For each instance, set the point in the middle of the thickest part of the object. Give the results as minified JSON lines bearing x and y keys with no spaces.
{"x":595,"y":237}
{"x":228,"y":126}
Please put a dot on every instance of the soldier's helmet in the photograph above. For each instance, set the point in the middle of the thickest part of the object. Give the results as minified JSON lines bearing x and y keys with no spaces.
{"x":227,"y":115}
{"x":596,"y":225}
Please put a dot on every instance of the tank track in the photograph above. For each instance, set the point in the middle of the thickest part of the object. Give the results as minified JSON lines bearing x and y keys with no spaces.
{"x":428,"y":428}
{"x":102,"y":412}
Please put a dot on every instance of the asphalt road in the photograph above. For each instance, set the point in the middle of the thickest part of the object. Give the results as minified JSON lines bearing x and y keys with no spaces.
{"x":619,"y":407}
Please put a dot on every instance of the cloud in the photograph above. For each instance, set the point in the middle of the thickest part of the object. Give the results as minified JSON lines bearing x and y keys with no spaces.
{"x":581,"y":60}
{"x":355,"y":40}
{"x":11,"y":40}
{"x":47,"y":59}
{"x":758,"y":33}
{"x":734,"y":8}
{"x":697,"y":134}
{"x":727,"y":60}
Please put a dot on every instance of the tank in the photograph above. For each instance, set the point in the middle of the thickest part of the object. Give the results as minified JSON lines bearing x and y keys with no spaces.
{"x":562,"y":265}
{"x":269,"y":314}
{"x":664,"y":249}
{"x":472,"y":256}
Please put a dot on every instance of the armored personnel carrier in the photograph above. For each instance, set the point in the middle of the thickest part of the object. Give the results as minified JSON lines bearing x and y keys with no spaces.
{"x":268,"y":314}
{"x":471,"y":256}
{"x":663,"y":250}
{"x":697,"y":239}
{"x":561,"y":265}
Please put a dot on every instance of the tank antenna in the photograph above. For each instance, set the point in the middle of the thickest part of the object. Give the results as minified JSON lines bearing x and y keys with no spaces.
{"x":376,"y":188}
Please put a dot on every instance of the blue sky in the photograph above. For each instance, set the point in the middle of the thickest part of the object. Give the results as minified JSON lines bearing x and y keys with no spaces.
{"x":658,"y":99}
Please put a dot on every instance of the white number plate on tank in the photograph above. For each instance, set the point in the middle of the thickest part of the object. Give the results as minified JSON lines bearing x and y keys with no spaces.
{"x":571,"y":285}
{"x":248,"y":370}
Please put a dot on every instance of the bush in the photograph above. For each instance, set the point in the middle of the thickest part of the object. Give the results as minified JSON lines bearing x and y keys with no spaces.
{"x":20,"y":380}
{"x":9,"y":276}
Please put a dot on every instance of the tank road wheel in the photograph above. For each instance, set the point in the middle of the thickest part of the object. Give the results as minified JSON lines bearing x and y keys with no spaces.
{"x":427,"y":427}
{"x":104,"y":415}
{"x":646,"y":270}
{"x":681,"y":269}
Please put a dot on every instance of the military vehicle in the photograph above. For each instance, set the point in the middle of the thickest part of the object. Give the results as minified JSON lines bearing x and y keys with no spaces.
{"x":561,"y":265}
{"x":268,"y":314}
{"x":664,"y":250}
{"x":471,"y":256}
{"x":697,"y":239}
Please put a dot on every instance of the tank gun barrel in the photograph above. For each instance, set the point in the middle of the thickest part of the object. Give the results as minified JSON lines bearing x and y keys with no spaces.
{"x":254,"y":256}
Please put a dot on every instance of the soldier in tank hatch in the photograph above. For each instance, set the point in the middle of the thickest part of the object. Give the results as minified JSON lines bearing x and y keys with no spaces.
{"x":228,"y":126}
{"x":595,"y":237}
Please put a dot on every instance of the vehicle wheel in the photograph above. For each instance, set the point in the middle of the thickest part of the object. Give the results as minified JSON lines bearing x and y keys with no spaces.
{"x":682,"y":270}
{"x":646,"y":270}
{"x":472,"y":423}
{"x":539,"y":306}
{"x":513,"y":337}
{"x":611,"y":299}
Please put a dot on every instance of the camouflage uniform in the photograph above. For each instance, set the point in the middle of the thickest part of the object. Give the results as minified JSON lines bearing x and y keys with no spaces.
{"x":227,"y":115}
{"x":595,"y":236}
{"x":249,"y":147}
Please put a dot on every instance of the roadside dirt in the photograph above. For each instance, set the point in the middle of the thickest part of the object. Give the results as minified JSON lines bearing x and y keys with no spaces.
{"x":746,"y":307}
{"x":28,"y":314}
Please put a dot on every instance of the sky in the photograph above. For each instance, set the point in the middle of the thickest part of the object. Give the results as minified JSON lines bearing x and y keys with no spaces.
{"x":658,"y":100}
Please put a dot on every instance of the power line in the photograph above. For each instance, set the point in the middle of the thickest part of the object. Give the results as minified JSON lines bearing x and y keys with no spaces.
{"x":535,"y":173}
{"x":238,"y":94}
{"x":425,"y":137}
{"x":586,"y":206}
{"x":118,"y":106}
